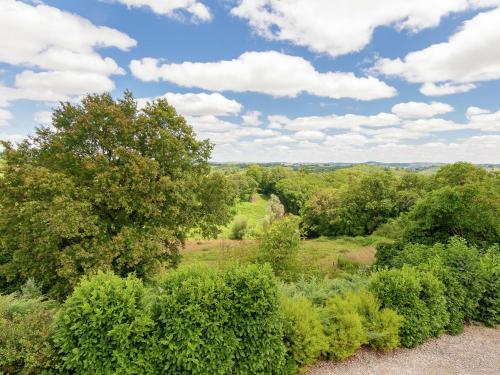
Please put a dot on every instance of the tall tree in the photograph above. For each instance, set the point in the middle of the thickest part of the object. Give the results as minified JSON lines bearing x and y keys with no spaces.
{"x":108,"y":186}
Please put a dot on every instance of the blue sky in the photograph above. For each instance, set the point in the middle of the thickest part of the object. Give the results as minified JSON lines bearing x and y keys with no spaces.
{"x":271,"y":80}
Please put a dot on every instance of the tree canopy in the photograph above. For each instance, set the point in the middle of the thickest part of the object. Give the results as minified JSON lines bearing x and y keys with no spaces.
{"x":107,"y":186}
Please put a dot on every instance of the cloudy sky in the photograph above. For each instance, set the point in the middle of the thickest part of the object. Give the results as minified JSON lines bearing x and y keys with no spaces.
{"x":271,"y":80}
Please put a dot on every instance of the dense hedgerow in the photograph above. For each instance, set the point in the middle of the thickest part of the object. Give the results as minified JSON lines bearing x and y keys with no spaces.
{"x":418,"y":296}
{"x":488,"y":310}
{"x":26,"y":328}
{"x":191,"y":311}
{"x":304,"y":335}
{"x":256,"y":320}
{"x":105,"y":328}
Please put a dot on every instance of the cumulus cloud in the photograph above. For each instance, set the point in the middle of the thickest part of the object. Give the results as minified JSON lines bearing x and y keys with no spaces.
{"x":348,"y":121}
{"x":43,"y":117}
{"x":200,"y":104}
{"x":470,"y":55}
{"x":338,"y":27}
{"x":63,"y":45}
{"x":413,"y":110}
{"x":267,"y":72}
{"x":173,"y":8}
{"x":5,"y":116}
{"x":309,"y":135}
{"x":432,"y":89}
{"x":251,"y":118}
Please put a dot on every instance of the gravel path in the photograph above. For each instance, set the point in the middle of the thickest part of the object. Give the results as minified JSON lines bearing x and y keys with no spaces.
{"x":476,"y":351}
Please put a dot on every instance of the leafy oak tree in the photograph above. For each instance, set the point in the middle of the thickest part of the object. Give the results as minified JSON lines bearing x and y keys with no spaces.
{"x":107,"y":187}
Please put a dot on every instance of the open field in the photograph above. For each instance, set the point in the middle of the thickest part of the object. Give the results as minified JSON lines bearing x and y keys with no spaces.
{"x":474,"y":352}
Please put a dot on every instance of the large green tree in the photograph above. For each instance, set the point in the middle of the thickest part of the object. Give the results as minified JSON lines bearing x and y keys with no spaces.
{"x":108,"y":186}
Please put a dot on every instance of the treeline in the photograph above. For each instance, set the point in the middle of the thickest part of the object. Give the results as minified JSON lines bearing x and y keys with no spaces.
{"x":458,"y":200}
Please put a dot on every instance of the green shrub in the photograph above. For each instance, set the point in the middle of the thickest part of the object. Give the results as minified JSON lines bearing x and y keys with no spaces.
{"x":386,"y":251}
{"x":381,"y":325}
{"x":191,"y":310}
{"x":418,"y":296}
{"x":239,"y":228}
{"x":26,"y":327}
{"x":104,"y":327}
{"x":279,"y":245}
{"x":488,"y":310}
{"x":343,"y":327}
{"x":304,"y":335}
{"x":256,"y":320}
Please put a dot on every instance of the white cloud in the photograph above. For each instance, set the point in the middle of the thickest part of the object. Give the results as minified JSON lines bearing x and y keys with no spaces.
{"x":267,"y":72}
{"x":5,"y":116}
{"x":413,"y":110}
{"x":62,"y":45}
{"x":173,"y":8}
{"x":251,"y":118}
{"x":309,"y":135}
{"x":483,"y":120}
{"x":432,"y":89}
{"x":348,"y":121}
{"x":201,"y":104}
{"x":210,"y":123}
{"x":469,"y":56}
{"x":43,"y":118}
{"x":338,"y":27}
{"x":472,"y":111}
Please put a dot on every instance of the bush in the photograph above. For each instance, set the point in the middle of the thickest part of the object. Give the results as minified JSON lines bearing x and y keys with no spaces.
{"x":239,"y":228}
{"x":488,"y":310}
{"x":381,"y":325}
{"x":26,"y":345}
{"x":256,"y":320}
{"x":418,"y":296}
{"x":304,"y":335}
{"x":104,"y":327}
{"x":191,"y":310}
{"x":343,"y":327}
{"x":280,"y":243}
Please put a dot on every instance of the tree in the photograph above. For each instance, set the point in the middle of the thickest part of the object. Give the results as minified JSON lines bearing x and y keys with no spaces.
{"x":470,"y":211}
{"x":459,"y":173}
{"x":280,"y":244}
{"x":274,"y":210}
{"x":367,"y":203}
{"x":108,"y":187}
{"x":320,"y":213}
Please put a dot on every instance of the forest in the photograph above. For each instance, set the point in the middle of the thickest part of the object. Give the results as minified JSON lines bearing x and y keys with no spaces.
{"x":124,"y":250}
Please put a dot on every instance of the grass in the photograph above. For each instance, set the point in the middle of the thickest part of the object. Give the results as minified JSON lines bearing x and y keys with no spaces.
{"x":316,"y":257}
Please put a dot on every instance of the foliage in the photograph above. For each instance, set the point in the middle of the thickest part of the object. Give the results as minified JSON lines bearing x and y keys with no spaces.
{"x":26,"y":327}
{"x":295,"y":190}
{"x":367,"y":203}
{"x":191,"y":311}
{"x":460,"y":173}
{"x":381,"y":325}
{"x":239,"y":228}
{"x":280,"y":243}
{"x":274,"y":210}
{"x":256,"y":320}
{"x":318,"y":291}
{"x":244,"y":186}
{"x":304,"y":335}
{"x":320,"y":213}
{"x":107,"y":187}
{"x":416,"y":295}
{"x":471,"y":211}
{"x":488,"y":310}
{"x":343,"y":327}
{"x":105,"y":328}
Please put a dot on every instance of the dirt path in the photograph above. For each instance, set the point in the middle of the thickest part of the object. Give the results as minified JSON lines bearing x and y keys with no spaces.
{"x":476,"y":351}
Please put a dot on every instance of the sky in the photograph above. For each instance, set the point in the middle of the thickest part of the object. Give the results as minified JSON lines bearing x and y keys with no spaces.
{"x":270,"y":80}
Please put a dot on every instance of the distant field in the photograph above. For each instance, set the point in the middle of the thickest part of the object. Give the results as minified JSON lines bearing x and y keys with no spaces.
{"x":318,"y":257}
